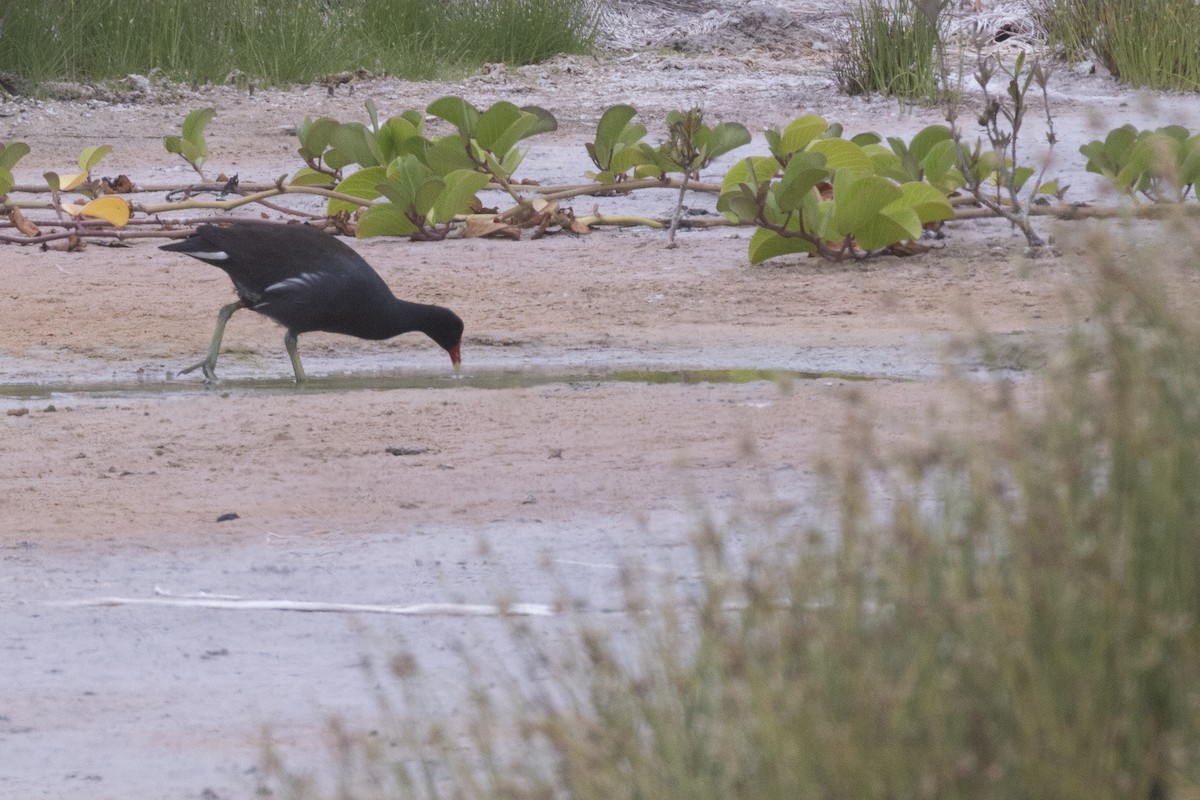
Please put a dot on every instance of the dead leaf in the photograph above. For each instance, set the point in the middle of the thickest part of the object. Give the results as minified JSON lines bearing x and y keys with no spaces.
{"x":118,"y":185}
{"x":72,"y":244}
{"x":478,"y":228}
{"x":477,"y":207}
{"x":908,"y":249}
{"x":22,"y":223}
{"x":344,"y":225}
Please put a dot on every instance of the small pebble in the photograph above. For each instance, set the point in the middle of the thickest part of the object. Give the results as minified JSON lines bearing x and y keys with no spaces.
{"x":406,"y":451}
{"x":228,"y":517}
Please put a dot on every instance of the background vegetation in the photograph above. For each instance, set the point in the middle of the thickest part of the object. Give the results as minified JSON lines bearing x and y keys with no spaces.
{"x":890,"y":49}
{"x":1143,"y":42}
{"x":1007,"y":609}
{"x":281,"y":41}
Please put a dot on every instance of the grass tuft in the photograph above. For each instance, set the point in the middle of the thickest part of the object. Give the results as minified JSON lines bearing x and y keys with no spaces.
{"x":1151,"y":43}
{"x":891,"y":50}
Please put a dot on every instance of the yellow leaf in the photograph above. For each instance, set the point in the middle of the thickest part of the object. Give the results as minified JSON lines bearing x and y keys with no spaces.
{"x":108,"y":208}
{"x":69,"y":183}
{"x":74,"y":209}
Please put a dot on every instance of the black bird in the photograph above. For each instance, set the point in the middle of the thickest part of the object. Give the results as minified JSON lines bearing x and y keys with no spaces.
{"x":307,"y":281}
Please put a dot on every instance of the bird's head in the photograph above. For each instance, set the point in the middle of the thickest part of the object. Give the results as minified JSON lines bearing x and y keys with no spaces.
{"x":448,"y":333}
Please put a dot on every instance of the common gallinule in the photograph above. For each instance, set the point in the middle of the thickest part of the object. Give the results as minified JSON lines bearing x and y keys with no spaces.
{"x":307,"y":281}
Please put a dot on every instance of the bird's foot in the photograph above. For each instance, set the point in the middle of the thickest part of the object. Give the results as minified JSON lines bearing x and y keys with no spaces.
{"x":210,"y":372}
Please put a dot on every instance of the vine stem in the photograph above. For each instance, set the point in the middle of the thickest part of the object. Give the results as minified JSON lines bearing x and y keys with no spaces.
{"x":683,"y":187}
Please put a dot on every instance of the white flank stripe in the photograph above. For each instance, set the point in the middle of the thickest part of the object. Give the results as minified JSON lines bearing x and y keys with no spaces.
{"x":307,"y":279}
{"x":215,"y":255}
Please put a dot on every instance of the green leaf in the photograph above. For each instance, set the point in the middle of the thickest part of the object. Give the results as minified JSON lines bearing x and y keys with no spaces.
{"x":754,"y":171}
{"x":928,"y":202}
{"x":805,"y":170}
{"x":739,"y":204}
{"x":9,"y":156}
{"x":195,"y":123}
{"x":1189,"y":161}
{"x":1176,"y":132}
{"x":507,"y":141}
{"x":495,"y":124}
{"x":866,"y":138}
{"x":889,"y":226}
{"x":546,"y":123}
{"x":612,"y":125}
{"x":314,"y":136}
{"x":927,"y":138}
{"x":938,"y":163}
{"x":1050,"y":187}
{"x":461,"y":188}
{"x":360,"y":184}
{"x":307,"y":176}
{"x":841,"y":154}
{"x":858,"y":200}
{"x":373,"y":115}
{"x":353,"y":143}
{"x":765,"y":244}
{"x":1119,"y":142}
{"x":1020,"y":175}
{"x":193,"y":152}
{"x":384,"y":219}
{"x":508,"y":165}
{"x":405,"y":181}
{"x":984,"y":165}
{"x":656,"y":163}
{"x":716,"y":142}
{"x":447,"y":154}
{"x":396,"y":137}
{"x":12,"y":153}
{"x":458,"y":112}
{"x":885,"y":162}
{"x":799,"y":132}
{"x":191,"y":145}
{"x":91,"y":156}
{"x":628,"y":157}
{"x":1132,"y":172}
{"x":427,"y":193}
{"x":1098,"y":161}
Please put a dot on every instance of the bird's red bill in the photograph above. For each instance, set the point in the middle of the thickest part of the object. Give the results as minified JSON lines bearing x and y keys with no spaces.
{"x":456,"y":354}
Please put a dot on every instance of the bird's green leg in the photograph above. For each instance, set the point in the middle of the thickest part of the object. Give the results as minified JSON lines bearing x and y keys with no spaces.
{"x":209,"y":364}
{"x":289,"y":341}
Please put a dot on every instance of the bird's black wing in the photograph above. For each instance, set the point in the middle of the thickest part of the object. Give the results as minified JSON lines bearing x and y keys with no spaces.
{"x":293,"y":273}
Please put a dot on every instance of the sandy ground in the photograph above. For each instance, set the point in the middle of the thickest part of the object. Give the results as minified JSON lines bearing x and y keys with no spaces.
{"x":384,"y":482}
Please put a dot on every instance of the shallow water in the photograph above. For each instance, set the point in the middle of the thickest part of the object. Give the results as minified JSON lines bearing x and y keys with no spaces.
{"x":476,"y":379}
